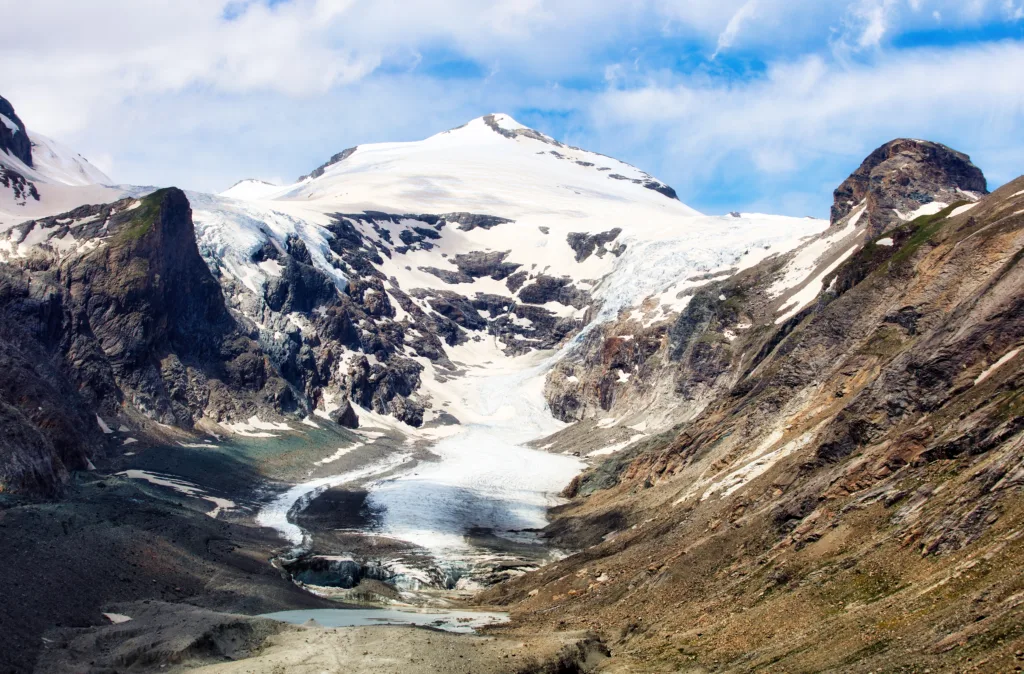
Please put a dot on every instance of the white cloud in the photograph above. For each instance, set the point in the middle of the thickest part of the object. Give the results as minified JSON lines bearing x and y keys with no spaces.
{"x":203,"y":92}
{"x":732,"y":29}
{"x":874,"y":17}
{"x":803,"y":111}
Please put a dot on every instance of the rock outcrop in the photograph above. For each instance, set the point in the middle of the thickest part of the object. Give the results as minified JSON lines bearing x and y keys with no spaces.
{"x":14,"y":138}
{"x":903,"y":175}
{"x":134,"y":329}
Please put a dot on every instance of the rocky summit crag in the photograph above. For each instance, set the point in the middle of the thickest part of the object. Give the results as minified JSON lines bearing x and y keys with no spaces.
{"x":129,"y":327}
{"x":904,"y":175}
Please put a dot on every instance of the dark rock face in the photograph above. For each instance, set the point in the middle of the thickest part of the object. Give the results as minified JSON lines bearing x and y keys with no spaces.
{"x":546,"y":288}
{"x":21,"y":188}
{"x":586,"y":245}
{"x":387,"y":389}
{"x":470,"y":221}
{"x":340,"y":157}
{"x":492,"y":122}
{"x":905,"y":175}
{"x":661,"y":188}
{"x":301,"y":286}
{"x":15,"y":142}
{"x":133,"y":328}
{"x":345,"y":416}
{"x":477,"y":264}
{"x":46,"y":428}
{"x":516,"y":281}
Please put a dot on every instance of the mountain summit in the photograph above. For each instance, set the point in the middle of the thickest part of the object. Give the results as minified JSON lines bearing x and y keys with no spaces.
{"x":906,"y":178}
{"x":492,"y":162}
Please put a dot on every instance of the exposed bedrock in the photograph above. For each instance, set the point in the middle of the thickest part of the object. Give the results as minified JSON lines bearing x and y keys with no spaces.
{"x":904,"y":175}
{"x":14,"y":141}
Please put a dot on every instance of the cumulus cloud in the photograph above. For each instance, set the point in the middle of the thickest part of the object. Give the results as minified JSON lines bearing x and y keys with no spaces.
{"x":203,"y":92}
{"x":809,"y":109}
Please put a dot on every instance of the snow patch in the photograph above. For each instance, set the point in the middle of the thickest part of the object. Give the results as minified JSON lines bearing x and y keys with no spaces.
{"x":742,"y":476}
{"x":612,"y":449}
{"x":807,"y":294}
{"x":338,"y":454}
{"x":928,"y":209}
{"x":9,"y":123}
{"x":103,"y":425}
{"x":996,"y":365}
{"x":182,"y":487}
{"x":257,"y":428}
{"x":962,"y":209}
{"x":115,"y":618}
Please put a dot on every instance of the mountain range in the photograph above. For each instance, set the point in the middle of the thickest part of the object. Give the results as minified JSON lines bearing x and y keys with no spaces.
{"x":782,"y":444}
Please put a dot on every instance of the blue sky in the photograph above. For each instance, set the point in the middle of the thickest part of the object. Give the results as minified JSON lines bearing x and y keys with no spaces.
{"x":759,"y":105}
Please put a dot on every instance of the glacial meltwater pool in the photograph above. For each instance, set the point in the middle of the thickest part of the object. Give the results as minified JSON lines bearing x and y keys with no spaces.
{"x":462,"y":622}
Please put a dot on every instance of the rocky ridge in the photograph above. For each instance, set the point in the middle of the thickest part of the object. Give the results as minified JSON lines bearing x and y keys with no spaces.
{"x":839,"y":485}
{"x":134,"y":324}
{"x":14,"y":138}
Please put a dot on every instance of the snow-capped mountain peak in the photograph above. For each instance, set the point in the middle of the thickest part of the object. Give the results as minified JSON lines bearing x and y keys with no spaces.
{"x":492,"y":164}
{"x":250,"y":188}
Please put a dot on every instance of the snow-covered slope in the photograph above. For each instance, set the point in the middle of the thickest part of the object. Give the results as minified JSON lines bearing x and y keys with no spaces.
{"x":54,"y":162}
{"x":59,"y":180}
{"x":493,"y":166}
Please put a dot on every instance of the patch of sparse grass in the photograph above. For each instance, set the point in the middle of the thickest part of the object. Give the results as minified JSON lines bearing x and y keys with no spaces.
{"x":925,"y":227}
{"x":886,"y":341}
{"x":142,"y":218}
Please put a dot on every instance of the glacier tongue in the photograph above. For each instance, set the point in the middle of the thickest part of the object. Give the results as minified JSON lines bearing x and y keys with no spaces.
{"x":485,"y":477}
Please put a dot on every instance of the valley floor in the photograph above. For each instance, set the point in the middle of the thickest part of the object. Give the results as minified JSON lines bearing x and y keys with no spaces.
{"x":181,"y":539}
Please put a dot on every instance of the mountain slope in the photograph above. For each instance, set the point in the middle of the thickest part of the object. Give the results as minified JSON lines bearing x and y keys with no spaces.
{"x":40,"y":177}
{"x":842,"y":490}
{"x":135,"y":325}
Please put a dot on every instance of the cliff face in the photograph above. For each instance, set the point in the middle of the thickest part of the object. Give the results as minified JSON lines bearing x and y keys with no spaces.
{"x":902,"y":176}
{"x":14,"y":138}
{"x":118,"y":317}
{"x":843,"y":483}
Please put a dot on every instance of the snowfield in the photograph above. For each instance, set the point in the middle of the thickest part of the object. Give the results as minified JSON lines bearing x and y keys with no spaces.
{"x":63,"y":179}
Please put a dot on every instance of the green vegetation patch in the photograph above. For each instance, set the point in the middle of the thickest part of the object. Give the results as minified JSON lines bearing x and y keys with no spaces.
{"x":142,"y":218}
{"x":924,"y":228}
